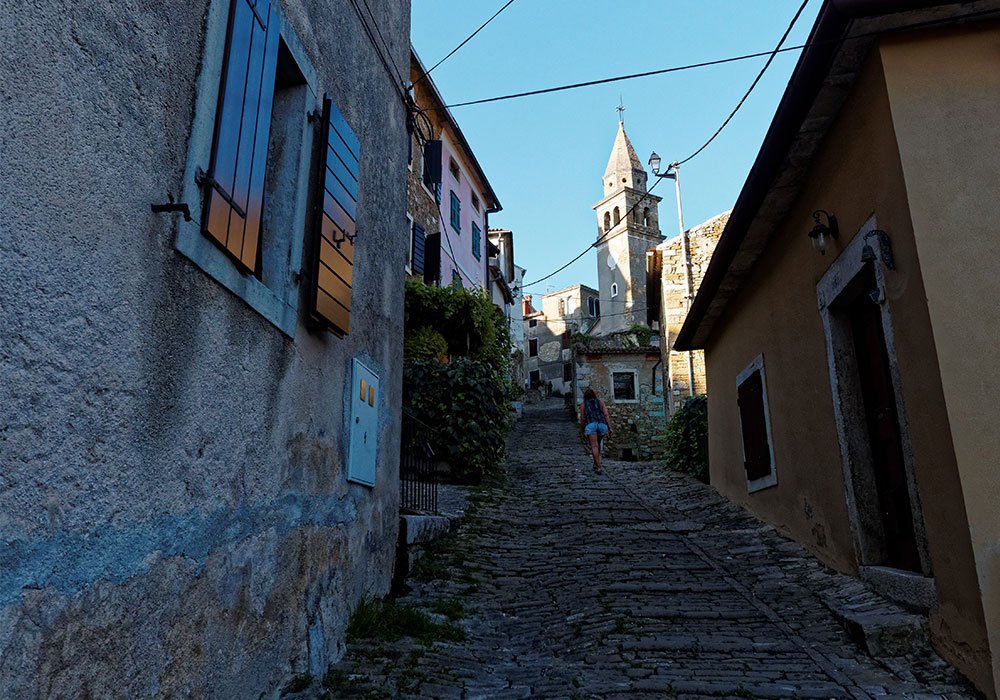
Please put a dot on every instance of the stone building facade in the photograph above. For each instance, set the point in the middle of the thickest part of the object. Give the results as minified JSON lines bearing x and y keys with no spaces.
{"x":684,"y":371}
{"x":548,"y":332}
{"x":178,"y":513}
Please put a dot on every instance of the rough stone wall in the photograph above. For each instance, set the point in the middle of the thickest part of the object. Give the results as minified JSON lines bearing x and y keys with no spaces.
{"x":635,"y":427}
{"x":174,"y":512}
{"x":703,"y":240}
{"x":548,"y":329}
{"x":420,"y":202}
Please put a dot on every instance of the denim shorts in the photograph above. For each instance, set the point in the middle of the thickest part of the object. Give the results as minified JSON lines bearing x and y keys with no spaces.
{"x":599,"y":428}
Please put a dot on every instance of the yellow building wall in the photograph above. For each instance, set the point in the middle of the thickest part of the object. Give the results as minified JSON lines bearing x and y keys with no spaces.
{"x":944,"y":92}
{"x":856,"y":174}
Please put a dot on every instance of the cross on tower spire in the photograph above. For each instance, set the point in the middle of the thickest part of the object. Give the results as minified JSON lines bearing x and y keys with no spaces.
{"x":621,"y":110}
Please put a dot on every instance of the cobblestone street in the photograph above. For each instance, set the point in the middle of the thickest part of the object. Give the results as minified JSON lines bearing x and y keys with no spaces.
{"x":635,"y":582}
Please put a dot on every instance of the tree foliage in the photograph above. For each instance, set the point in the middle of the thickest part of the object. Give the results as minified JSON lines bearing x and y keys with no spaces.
{"x":686,"y":439}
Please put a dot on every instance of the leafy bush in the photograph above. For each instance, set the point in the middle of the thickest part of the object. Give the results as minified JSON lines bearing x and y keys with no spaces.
{"x":686,"y":440}
{"x":424,"y":343}
{"x":643,"y":334}
{"x":466,"y":404}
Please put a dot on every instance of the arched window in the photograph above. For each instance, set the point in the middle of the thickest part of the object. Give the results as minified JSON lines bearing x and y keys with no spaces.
{"x":607,"y":221}
{"x":614,"y":289}
{"x":618,"y":216}
{"x":562,"y":307}
{"x":645,"y":217}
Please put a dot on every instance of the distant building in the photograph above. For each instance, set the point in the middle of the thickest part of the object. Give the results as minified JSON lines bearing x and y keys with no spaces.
{"x":548,"y":336}
{"x":202,"y":341}
{"x":450,"y":199}
{"x":849,"y":316}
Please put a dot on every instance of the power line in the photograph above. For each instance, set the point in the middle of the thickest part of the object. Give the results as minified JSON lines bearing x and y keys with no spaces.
{"x":371,"y":38}
{"x":388,"y":50}
{"x":467,"y":40}
{"x":767,"y":64}
{"x":721,"y":61}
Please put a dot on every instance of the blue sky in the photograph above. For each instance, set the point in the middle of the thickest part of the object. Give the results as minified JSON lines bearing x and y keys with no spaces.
{"x":545,"y":155}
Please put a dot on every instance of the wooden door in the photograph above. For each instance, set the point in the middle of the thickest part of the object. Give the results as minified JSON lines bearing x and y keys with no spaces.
{"x":884,"y":436}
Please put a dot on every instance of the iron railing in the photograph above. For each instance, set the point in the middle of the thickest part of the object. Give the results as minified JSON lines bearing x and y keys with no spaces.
{"x":418,"y":481}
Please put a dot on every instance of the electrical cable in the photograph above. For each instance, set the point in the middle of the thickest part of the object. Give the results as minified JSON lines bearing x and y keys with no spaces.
{"x":467,"y":40}
{"x":720,"y":61}
{"x":388,"y":50}
{"x":385,"y":64}
{"x":760,"y":74}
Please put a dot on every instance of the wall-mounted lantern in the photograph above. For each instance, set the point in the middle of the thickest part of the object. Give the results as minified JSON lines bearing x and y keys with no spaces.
{"x":884,"y":247}
{"x":821,"y":233}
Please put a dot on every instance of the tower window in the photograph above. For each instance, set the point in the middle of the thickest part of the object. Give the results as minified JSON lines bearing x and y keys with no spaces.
{"x":607,"y":221}
{"x":645,"y":217}
{"x":614,"y":289}
{"x":618,"y":216}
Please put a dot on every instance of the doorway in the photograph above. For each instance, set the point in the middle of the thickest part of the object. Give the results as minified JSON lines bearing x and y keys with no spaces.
{"x":880,"y":487}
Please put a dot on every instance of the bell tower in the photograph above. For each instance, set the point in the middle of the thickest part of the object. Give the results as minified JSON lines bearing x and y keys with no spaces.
{"x":627,"y":226}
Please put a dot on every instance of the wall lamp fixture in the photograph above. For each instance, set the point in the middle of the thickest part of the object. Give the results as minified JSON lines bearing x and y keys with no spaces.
{"x":821,"y":232}
{"x":884,"y":248}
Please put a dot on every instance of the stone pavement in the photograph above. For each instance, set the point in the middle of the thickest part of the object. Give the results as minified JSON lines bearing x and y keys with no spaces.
{"x":636,"y":583}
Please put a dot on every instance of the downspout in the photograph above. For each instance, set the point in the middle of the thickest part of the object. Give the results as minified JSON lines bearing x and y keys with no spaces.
{"x":658,"y":363}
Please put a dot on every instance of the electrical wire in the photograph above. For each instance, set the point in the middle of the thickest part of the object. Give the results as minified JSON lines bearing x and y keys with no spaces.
{"x":388,"y":50}
{"x":385,"y":64}
{"x":721,"y":61}
{"x":760,"y":74}
{"x":466,"y":41}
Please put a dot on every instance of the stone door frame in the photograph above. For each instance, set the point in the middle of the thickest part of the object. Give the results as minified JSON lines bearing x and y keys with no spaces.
{"x":852,"y":432}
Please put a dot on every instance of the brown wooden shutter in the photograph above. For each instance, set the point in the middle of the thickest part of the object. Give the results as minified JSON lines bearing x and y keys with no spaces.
{"x":235,"y":182}
{"x":336,"y":214}
{"x":753,"y":425}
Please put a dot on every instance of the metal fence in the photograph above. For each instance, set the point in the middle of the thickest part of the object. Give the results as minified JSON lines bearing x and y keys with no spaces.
{"x":418,"y":482}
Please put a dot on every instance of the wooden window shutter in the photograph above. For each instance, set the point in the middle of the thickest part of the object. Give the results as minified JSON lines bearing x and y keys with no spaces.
{"x":418,"y":256}
{"x":335,"y":230}
{"x":753,"y":425}
{"x":235,"y":183}
{"x":432,"y":162}
{"x":432,"y":258}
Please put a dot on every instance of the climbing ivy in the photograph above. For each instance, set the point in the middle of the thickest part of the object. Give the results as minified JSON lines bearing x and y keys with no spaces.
{"x":686,"y":439}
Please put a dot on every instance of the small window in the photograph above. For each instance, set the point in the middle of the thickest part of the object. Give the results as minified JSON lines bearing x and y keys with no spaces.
{"x":566,"y":339}
{"x":534,"y":379}
{"x":453,"y":167}
{"x":591,"y":306}
{"x":456,"y":212}
{"x":607,"y":221}
{"x":755,"y":427}
{"x":623,"y":386}
{"x":562,"y":307}
{"x":532,"y":323}
{"x":475,"y":201}
{"x":568,"y":372}
{"x":477,"y":244}
{"x":618,"y":216}
{"x":614,"y":289}
{"x":646,"y":221}
{"x":533,"y":347}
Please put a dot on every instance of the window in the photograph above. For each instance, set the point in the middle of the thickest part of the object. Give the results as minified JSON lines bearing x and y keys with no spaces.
{"x":475,"y":201}
{"x":453,"y":167}
{"x":456,"y":212}
{"x":597,"y":308}
{"x":568,"y":372}
{"x":607,"y":221}
{"x":456,"y":279}
{"x":477,"y":241}
{"x":618,"y":217}
{"x":646,"y":221}
{"x":591,"y":306}
{"x":532,"y":323}
{"x":534,"y":379}
{"x":755,"y":427}
{"x":623,"y":386}
{"x":533,"y":347}
{"x":614,"y":289}
{"x":562,"y":307}
{"x":565,"y":339}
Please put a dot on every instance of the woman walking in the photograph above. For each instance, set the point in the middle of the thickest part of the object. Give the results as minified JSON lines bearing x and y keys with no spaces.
{"x":595,"y":423}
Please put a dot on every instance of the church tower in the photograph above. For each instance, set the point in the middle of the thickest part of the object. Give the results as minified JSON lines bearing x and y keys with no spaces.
{"x":627,"y":227}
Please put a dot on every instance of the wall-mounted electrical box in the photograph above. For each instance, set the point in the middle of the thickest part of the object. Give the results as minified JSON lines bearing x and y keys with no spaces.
{"x":361,"y":458}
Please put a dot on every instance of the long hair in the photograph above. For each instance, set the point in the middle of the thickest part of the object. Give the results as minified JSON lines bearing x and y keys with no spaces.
{"x":589,"y":394}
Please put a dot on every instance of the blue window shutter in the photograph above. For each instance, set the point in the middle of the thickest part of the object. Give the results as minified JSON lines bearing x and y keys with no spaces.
{"x":417,"y":258}
{"x":235,"y":186}
{"x":477,"y":247}
{"x":456,"y":212}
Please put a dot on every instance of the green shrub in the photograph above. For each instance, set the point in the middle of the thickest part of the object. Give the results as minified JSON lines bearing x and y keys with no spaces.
{"x":643,"y":334}
{"x":388,"y":621}
{"x":686,"y":439}
{"x":424,"y":343}
{"x":466,"y":405}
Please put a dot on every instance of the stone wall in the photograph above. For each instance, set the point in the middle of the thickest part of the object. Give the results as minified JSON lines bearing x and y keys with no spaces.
{"x":174,"y":511}
{"x":674,"y":305}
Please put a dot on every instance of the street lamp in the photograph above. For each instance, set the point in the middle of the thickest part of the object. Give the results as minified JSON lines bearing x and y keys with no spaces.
{"x":673,"y":173}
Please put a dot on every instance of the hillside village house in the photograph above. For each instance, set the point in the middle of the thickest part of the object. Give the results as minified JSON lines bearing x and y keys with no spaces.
{"x":849,"y":315}
{"x":449,"y":197}
{"x":548,"y":335}
{"x":200,"y":376}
